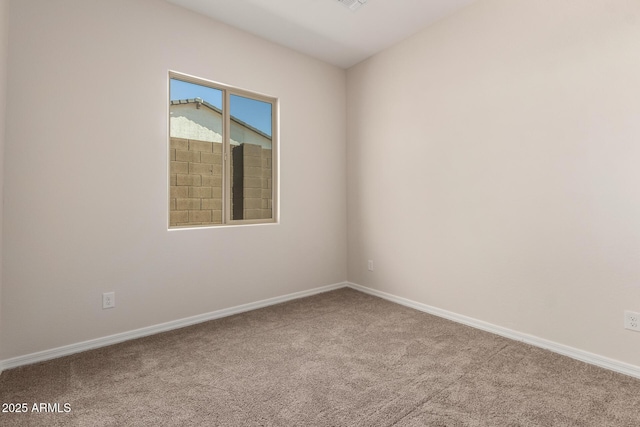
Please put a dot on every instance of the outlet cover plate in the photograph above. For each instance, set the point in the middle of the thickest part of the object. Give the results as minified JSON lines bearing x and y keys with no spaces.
{"x":632,"y":320}
{"x":108,"y":300}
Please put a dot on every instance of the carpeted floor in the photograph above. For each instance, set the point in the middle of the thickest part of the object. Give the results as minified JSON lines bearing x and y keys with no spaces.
{"x":341,"y":358}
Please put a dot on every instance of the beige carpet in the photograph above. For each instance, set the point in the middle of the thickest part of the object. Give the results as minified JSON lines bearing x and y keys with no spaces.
{"x":341,"y":358}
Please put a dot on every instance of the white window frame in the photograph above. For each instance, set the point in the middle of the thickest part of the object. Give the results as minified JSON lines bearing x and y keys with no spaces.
{"x":227,"y":91}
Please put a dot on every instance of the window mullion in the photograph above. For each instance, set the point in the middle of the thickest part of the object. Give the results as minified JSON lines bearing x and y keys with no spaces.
{"x":227,"y":158}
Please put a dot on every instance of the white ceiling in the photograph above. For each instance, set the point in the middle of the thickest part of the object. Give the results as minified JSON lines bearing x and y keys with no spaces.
{"x":326,"y":29}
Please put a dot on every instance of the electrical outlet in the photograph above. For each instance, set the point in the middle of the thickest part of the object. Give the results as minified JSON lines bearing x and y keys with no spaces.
{"x":370,"y":265}
{"x":108,"y":300}
{"x":632,"y":320}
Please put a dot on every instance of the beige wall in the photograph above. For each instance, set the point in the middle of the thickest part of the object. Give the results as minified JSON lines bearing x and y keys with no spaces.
{"x":4,"y":52}
{"x":86,"y":193}
{"x":493,"y":169}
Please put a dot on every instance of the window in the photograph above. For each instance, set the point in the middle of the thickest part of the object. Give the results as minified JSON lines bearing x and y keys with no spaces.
{"x":222,"y":151}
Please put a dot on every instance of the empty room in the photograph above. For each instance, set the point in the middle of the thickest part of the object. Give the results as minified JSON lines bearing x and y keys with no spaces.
{"x":320,"y":212}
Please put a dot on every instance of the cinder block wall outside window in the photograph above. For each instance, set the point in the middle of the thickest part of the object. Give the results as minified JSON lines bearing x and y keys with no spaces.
{"x":196,"y":182}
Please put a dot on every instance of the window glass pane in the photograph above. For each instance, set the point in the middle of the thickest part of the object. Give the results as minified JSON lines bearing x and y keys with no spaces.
{"x":251,"y":158}
{"x":196,"y":136}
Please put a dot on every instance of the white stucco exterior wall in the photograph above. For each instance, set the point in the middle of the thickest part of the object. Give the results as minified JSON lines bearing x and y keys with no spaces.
{"x":189,"y":122}
{"x":205,"y":124}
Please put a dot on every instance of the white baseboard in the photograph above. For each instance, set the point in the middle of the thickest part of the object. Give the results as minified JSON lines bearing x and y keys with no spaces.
{"x":584,"y":356}
{"x":150,"y":330}
{"x":574,"y":353}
